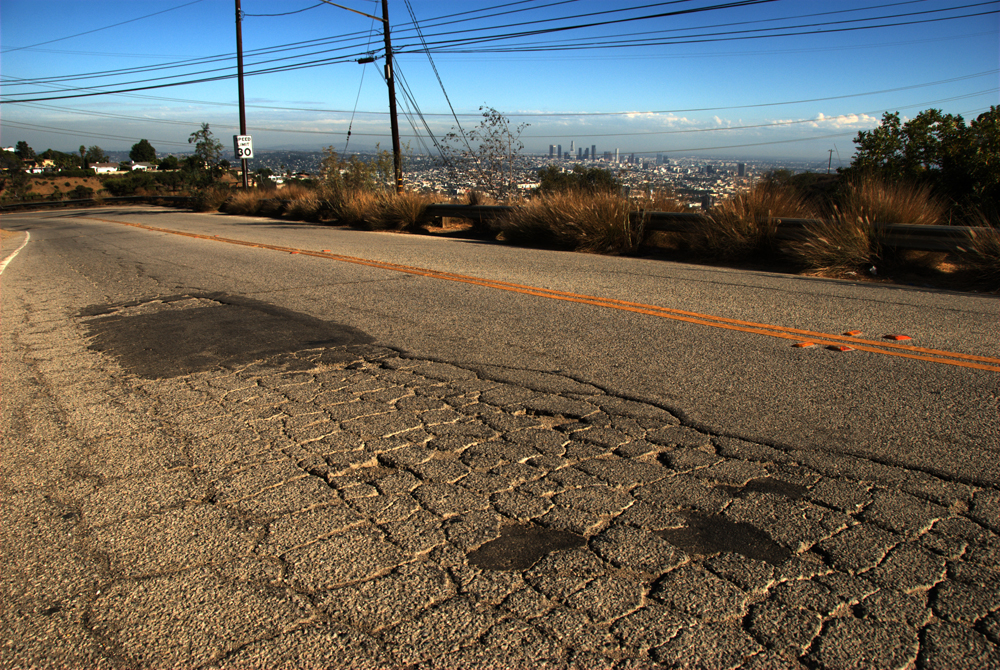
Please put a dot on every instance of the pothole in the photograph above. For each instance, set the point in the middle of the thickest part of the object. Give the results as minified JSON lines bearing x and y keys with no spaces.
{"x":178,"y":335}
{"x":713,"y":534}
{"x":520,"y":547}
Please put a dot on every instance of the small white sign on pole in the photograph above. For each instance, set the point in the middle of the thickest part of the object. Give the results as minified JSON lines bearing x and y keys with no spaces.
{"x":243,"y":145}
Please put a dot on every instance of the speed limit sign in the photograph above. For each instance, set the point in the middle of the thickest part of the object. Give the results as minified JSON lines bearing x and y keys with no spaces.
{"x":243,"y":144}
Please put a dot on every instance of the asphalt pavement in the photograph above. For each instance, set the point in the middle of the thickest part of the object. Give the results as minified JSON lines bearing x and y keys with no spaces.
{"x":200,"y":478}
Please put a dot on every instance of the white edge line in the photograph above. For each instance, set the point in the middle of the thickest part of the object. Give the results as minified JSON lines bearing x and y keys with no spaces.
{"x":3,"y":265}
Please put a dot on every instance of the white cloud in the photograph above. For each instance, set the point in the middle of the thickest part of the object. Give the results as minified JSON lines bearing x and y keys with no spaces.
{"x":845,"y":121}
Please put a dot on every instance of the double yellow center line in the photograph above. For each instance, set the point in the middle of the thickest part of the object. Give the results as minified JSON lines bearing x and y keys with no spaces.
{"x":783,"y":332}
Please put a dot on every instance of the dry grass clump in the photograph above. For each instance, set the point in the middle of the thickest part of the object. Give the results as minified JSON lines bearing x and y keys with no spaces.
{"x":746,"y":225}
{"x":853,"y":238}
{"x":404,"y":211}
{"x":660,"y":201}
{"x":881,"y":202}
{"x":593,"y":222}
{"x":245,"y":202}
{"x":475,"y":197}
{"x":840,"y":243}
{"x":359,"y":209}
{"x":982,"y":254}
{"x":304,"y":206}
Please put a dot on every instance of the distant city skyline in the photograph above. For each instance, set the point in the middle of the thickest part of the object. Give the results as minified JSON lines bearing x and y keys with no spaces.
{"x":789,"y":79}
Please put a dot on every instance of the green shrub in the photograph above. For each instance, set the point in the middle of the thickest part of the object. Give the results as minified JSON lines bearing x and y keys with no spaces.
{"x":210,"y":199}
{"x":81,"y":192}
{"x":129,"y":184}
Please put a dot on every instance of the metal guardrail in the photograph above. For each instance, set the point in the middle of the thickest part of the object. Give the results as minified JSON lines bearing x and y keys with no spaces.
{"x":917,"y":237}
{"x":898,"y":235}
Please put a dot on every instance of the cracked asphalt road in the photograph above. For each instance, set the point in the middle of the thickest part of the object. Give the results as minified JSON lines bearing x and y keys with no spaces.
{"x":344,"y":504}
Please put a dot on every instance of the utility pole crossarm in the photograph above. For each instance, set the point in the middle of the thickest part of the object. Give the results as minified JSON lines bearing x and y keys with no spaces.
{"x":377,"y":18}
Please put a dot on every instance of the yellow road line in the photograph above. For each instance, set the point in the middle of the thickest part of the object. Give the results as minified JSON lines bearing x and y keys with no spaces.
{"x":782,"y":332}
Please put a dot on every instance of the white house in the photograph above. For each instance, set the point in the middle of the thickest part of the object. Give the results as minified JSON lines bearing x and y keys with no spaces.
{"x":104,"y":168}
{"x":142,"y":167}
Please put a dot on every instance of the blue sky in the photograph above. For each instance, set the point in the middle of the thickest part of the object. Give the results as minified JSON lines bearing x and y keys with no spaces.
{"x":683,"y":77}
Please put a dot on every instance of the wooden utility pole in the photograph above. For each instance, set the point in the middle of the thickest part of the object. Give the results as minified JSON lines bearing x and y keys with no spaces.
{"x":239,"y":69}
{"x":397,"y":158}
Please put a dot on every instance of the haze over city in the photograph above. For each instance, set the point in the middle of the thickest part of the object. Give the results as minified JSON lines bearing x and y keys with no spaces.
{"x":750,"y":79}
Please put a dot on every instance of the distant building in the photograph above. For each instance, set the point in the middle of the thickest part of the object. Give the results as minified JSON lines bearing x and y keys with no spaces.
{"x":593,"y":151}
{"x":741,"y":169}
{"x":104,"y":168}
{"x":552,"y":150}
{"x":560,"y":152}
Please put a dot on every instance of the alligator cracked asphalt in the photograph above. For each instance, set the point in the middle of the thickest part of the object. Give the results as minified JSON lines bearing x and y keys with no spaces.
{"x":344,"y":505}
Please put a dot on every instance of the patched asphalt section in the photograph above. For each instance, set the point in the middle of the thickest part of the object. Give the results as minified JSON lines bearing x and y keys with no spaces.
{"x":713,"y":534}
{"x":173,"y":336}
{"x":520,"y":547}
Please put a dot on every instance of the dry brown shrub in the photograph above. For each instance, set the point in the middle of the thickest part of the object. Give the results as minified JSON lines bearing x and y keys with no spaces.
{"x":293,"y":191}
{"x":405,"y":211}
{"x":660,"y":201}
{"x":746,"y":225}
{"x":982,"y":254}
{"x":360,"y":209}
{"x":593,"y":222}
{"x":839,"y":243}
{"x":853,"y":238}
{"x":475,"y":197}
{"x":245,"y":202}
{"x":880,"y":202}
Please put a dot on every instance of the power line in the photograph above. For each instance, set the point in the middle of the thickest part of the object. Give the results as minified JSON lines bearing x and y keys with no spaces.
{"x":450,"y":46}
{"x":95,"y":30}
{"x":297,"y":11}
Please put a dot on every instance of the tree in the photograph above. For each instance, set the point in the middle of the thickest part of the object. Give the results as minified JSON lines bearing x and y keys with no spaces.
{"x":61,"y":160}
{"x":142,"y":152}
{"x":489,"y":154}
{"x":262,"y":177}
{"x":373,"y":175}
{"x":170,"y":163}
{"x":83,"y":157}
{"x":95,"y":154}
{"x":9,"y":161}
{"x":24,"y":152}
{"x":959,"y":161}
{"x":207,"y":149}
